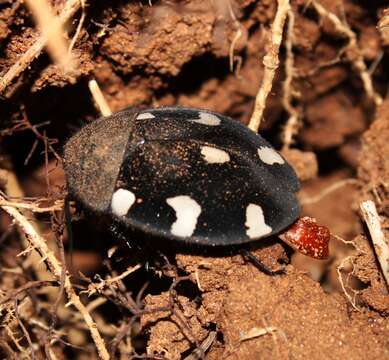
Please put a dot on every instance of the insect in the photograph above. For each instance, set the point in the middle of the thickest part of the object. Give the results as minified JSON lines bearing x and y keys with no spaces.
{"x":188,"y":174}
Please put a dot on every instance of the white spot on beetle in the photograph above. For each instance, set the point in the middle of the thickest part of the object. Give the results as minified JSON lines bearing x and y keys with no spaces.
{"x":270,"y":156}
{"x":207,"y":119}
{"x":187,"y":212}
{"x":121,"y":202}
{"x":214,"y":156}
{"x":255,"y":222}
{"x":145,"y":116}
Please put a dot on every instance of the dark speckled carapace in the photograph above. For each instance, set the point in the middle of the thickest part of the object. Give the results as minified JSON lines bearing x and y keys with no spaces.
{"x":188,"y":174}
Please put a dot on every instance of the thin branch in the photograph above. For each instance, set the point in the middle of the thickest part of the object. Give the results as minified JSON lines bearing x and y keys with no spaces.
{"x":69,"y":9}
{"x":353,"y":54}
{"x":48,"y":143}
{"x":24,"y":330}
{"x":15,"y":341}
{"x":342,"y":265}
{"x":14,"y":190}
{"x":79,"y":27}
{"x":52,"y":30}
{"x":270,"y":62}
{"x":55,"y":266}
{"x":238,"y":34}
{"x":26,"y":287}
{"x":307,"y":200}
{"x":339,"y":269}
{"x":58,"y":229}
{"x":99,"y":98}
{"x":93,"y":288}
{"x":291,"y":126}
{"x":381,"y":247}
{"x":57,"y":206}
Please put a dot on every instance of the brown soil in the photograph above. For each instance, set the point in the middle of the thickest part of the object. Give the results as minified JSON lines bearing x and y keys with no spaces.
{"x":178,"y":305}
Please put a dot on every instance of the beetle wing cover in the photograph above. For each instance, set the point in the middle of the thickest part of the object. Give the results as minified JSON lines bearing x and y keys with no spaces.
{"x":93,"y":157}
{"x":202,"y":177}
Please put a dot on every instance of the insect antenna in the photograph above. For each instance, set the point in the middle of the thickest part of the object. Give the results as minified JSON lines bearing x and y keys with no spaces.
{"x":259,"y":264}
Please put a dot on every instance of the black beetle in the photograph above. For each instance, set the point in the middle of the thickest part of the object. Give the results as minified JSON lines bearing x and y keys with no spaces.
{"x":187,"y":174}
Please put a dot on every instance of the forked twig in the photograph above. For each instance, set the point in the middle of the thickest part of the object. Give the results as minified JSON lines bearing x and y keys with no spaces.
{"x":354,"y":54}
{"x":93,"y":288}
{"x":55,"y":266}
{"x":27,"y":287}
{"x":24,"y":330}
{"x":342,"y":265}
{"x":69,"y":9}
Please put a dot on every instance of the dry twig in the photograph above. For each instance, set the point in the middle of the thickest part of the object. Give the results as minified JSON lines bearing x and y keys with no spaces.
{"x":15,"y":341}
{"x":348,"y":259}
{"x":343,"y":265}
{"x":52,"y":31}
{"x":26,"y":287}
{"x":79,"y":27}
{"x":353,"y":52}
{"x":39,"y":243}
{"x":307,"y":200}
{"x":270,"y":62}
{"x":238,"y":34}
{"x":24,"y":330}
{"x":291,"y":126}
{"x":69,"y":9}
{"x":34,"y":207}
{"x":14,"y":190}
{"x":99,"y":98}
{"x":381,"y":247}
{"x":93,"y":288}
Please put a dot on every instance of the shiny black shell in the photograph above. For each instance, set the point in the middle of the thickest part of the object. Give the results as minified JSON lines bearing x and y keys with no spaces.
{"x":188,"y":174}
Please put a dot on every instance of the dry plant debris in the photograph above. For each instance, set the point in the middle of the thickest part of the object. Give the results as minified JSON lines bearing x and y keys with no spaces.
{"x":39,"y":244}
{"x":321,"y":84}
{"x":352,"y":51}
{"x":381,"y":247}
{"x":99,"y":98}
{"x":270,"y":63}
{"x":68,"y":10}
{"x":52,"y":30}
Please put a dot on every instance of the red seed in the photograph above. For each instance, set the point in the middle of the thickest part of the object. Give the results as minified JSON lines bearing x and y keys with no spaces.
{"x":309,"y":238}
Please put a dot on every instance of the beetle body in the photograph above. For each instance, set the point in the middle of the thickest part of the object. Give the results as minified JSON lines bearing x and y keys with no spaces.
{"x":188,"y":174}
